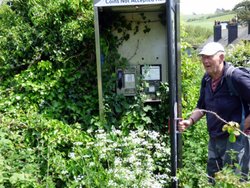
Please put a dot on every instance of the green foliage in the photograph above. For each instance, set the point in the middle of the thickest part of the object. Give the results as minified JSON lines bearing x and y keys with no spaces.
{"x":233,"y":130}
{"x":239,"y":54}
{"x":38,"y":152}
{"x":34,"y":150}
{"x":243,"y":9}
{"x":196,"y":35}
{"x":192,"y":73}
{"x":193,"y":172}
{"x":133,"y":113}
{"x":47,"y":58}
{"x":50,"y":133}
{"x":228,"y":178}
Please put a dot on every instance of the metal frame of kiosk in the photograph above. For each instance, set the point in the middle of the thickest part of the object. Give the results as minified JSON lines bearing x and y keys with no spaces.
{"x":153,"y":56}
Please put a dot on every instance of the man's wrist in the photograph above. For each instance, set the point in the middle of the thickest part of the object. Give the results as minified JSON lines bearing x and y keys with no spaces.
{"x":247,"y":131}
{"x":192,"y":120}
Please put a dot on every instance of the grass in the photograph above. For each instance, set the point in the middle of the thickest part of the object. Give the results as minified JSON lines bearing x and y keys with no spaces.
{"x":200,"y":27}
{"x":206,"y":21}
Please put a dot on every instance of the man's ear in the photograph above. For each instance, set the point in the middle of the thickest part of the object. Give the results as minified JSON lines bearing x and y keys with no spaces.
{"x":222,"y":57}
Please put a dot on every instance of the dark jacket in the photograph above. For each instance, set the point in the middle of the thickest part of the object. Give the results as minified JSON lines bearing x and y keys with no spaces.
{"x":222,"y":102}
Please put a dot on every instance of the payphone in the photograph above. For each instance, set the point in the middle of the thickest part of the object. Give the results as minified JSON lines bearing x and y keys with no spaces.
{"x":152,"y":75}
{"x":126,"y":81}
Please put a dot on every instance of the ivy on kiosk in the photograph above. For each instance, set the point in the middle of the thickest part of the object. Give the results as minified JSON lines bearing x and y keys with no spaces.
{"x":146,"y":50}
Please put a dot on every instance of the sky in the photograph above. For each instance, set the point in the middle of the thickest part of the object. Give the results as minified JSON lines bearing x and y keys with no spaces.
{"x":205,"y":6}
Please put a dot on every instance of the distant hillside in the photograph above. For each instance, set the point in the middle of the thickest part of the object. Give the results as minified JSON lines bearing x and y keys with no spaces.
{"x":207,"y":20}
{"x":200,"y":27}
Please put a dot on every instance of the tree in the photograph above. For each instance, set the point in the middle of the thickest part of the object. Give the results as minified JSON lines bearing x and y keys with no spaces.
{"x":243,"y":11}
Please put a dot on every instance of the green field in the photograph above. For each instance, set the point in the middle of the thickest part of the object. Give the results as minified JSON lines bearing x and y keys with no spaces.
{"x":206,"y":21}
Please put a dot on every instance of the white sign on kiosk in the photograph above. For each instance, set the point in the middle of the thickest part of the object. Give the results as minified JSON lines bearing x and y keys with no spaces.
{"x":151,"y":72}
{"x":129,"y":81}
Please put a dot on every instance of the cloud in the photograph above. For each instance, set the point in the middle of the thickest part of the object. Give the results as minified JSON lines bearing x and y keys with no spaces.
{"x":205,"y":6}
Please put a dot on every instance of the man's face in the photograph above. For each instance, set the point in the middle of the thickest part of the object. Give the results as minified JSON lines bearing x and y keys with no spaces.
{"x":213,"y":64}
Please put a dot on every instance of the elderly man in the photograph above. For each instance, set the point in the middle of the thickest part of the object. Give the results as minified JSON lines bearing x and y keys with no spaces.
{"x":215,"y":96}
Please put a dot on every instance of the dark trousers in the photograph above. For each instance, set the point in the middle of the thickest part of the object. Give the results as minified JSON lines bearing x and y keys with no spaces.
{"x":219,"y":154}
{"x":246,"y":157}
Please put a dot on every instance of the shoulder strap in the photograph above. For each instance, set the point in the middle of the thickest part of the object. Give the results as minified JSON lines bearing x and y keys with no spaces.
{"x":228,"y":74}
{"x":233,"y":91}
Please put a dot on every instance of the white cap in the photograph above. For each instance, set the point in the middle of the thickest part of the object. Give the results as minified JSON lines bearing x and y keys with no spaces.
{"x":212,"y":48}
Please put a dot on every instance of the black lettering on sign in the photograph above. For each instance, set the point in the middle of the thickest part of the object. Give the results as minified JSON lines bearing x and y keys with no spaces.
{"x":124,"y":1}
{"x":111,"y":1}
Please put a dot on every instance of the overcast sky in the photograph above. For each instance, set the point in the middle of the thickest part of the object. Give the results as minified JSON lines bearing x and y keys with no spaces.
{"x":205,"y":6}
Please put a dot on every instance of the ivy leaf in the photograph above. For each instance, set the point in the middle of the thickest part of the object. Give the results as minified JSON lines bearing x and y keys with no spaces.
{"x":147,"y":119}
{"x":147,"y":108}
{"x":230,"y":130}
{"x":236,"y":133}
{"x":126,"y":37}
{"x":146,"y":29}
{"x":232,"y":138}
{"x":225,"y":127}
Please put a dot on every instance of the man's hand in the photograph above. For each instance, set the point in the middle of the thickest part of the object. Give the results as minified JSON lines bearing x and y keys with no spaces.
{"x":247,"y":131}
{"x":247,"y":125}
{"x":196,"y":116}
{"x":184,"y":124}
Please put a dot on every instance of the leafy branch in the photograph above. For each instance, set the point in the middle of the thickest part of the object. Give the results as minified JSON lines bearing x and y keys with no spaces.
{"x":233,"y":128}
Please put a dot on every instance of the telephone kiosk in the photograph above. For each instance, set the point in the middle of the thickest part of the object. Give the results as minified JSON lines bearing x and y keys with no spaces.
{"x":152,"y":50}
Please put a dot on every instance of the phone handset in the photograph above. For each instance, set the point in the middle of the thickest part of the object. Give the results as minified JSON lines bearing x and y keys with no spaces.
{"x":120,"y":79}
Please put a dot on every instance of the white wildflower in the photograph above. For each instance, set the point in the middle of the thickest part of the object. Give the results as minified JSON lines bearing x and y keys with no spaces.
{"x":64,"y":172}
{"x":118,"y":161}
{"x":78,"y":143}
{"x":154,"y":135}
{"x":91,"y":164}
{"x":72,"y":155}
